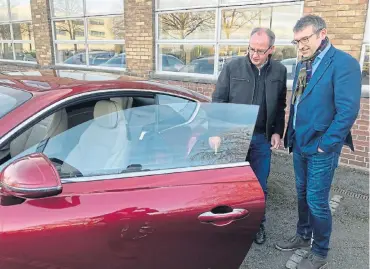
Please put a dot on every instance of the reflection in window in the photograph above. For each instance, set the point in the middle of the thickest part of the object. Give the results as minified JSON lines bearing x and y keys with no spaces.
{"x":67,"y":8}
{"x":109,"y":7}
{"x":71,"y":54}
{"x":17,"y":33}
{"x":365,"y":66}
{"x":69,"y":30}
{"x":25,"y":52}
{"x":6,"y":51}
{"x":99,"y":40}
{"x":187,"y":25}
{"x":111,"y":28}
{"x":23,"y":31}
{"x":187,"y":58}
{"x":238,"y":23}
{"x":169,"y":4}
{"x":190,"y":28}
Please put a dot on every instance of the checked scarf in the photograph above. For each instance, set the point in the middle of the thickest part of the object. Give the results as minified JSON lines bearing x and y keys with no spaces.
{"x":305,"y":73}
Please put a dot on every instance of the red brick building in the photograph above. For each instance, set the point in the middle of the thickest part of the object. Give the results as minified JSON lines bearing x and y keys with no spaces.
{"x":177,"y":42}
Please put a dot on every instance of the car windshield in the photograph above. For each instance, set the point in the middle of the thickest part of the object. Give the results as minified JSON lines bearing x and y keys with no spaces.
{"x":10,"y":99}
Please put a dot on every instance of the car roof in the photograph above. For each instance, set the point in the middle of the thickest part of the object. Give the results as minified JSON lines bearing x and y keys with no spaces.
{"x":48,"y":84}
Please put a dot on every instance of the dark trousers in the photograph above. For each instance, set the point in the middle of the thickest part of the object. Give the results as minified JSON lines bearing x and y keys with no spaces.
{"x":314,"y":176}
{"x":259,"y":157}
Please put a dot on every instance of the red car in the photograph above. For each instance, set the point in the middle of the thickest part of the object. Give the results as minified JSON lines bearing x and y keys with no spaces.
{"x":120,"y":174}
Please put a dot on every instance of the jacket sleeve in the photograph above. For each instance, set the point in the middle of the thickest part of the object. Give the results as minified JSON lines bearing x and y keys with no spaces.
{"x":347,"y":97}
{"x":281,"y":105}
{"x":221,"y":93}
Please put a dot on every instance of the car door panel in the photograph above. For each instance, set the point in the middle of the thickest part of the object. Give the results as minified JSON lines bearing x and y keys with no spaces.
{"x":139,"y":222}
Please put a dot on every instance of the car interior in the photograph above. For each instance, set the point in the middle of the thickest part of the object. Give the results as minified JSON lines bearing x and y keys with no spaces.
{"x":119,"y":141}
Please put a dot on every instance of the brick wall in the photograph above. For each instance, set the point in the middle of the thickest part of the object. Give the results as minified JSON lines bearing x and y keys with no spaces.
{"x":42,"y":32}
{"x":139,"y":36}
{"x":360,"y":130}
{"x":345,"y":20}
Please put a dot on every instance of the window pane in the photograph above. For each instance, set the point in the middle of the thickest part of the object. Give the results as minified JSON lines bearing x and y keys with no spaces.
{"x":4,"y":15}
{"x":20,"y":9}
{"x":187,"y":58}
{"x":187,"y":25}
{"x":182,"y":106}
{"x":238,"y":23}
{"x":227,"y":52}
{"x":5,"y":32}
{"x":69,"y":30}
{"x":287,"y":55}
{"x":71,"y":54}
{"x":365,"y":66}
{"x":111,"y":28}
{"x":23,"y":31}
{"x":25,"y":52}
{"x":168,"y":4}
{"x":106,"y":7}
{"x":283,"y":20}
{"x":6,"y":51}
{"x":68,"y":8}
{"x":100,"y":54}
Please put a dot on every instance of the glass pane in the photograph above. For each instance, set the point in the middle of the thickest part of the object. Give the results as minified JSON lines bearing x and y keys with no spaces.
{"x":187,"y":25}
{"x":67,"y":8}
{"x":71,"y":54}
{"x":187,"y":58}
{"x":25,"y":52}
{"x":4,"y":13}
{"x":6,"y":51}
{"x":288,"y":57}
{"x":100,"y":54}
{"x":23,"y":31}
{"x":20,"y":9}
{"x":5,"y":32}
{"x":227,"y":52}
{"x":69,"y":30}
{"x":283,"y":20}
{"x":168,"y":4}
{"x":106,"y":7}
{"x":365,"y":66}
{"x":238,"y":23}
{"x":111,"y":28}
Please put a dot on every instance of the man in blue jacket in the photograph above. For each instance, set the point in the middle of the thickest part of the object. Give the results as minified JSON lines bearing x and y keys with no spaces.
{"x":324,"y":106}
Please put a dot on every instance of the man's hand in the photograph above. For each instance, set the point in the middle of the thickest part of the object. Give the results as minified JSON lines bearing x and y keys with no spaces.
{"x":275,"y":141}
{"x":214,"y":143}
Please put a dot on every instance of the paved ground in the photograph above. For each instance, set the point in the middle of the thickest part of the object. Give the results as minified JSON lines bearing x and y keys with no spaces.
{"x":350,"y":238}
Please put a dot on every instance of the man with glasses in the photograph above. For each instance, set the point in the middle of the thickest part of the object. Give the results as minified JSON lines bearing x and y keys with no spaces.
{"x":259,"y":80}
{"x":325,"y":104}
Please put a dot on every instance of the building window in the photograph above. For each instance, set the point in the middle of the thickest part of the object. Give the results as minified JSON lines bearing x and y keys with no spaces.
{"x":16,"y":34}
{"x":89,"y":34}
{"x":203,"y":35}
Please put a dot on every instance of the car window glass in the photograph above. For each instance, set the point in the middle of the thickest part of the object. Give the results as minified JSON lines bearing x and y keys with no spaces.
{"x":113,"y":137}
{"x":182,"y":106}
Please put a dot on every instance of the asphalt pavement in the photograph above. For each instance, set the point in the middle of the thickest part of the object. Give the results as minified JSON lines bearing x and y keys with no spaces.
{"x":350,"y":209}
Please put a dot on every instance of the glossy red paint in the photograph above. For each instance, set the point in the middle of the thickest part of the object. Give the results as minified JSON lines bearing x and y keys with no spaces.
{"x":148,"y":222}
{"x":32,"y":176}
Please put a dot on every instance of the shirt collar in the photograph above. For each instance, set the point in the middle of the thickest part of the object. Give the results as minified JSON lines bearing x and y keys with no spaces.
{"x":322,"y":54}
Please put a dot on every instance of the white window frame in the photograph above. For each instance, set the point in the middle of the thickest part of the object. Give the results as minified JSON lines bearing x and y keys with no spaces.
{"x":13,"y":41}
{"x":86,"y":42}
{"x":217,"y":42}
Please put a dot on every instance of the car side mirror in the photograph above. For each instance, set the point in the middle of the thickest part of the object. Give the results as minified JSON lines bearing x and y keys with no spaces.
{"x":33,"y":176}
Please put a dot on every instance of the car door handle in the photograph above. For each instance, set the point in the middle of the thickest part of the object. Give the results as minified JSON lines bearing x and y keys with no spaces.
{"x":220,"y":218}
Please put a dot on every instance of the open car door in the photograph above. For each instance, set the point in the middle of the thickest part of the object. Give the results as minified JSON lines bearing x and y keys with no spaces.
{"x":170,"y":202}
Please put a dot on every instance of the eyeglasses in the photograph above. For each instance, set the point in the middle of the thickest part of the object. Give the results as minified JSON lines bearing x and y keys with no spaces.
{"x":259,"y":52}
{"x":304,"y":40}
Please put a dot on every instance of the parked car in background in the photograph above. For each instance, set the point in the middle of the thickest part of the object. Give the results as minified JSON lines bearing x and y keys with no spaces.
{"x":119,"y":174}
{"x":95,"y":58}
{"x":118,"y":61}
{"x":290,"y":65}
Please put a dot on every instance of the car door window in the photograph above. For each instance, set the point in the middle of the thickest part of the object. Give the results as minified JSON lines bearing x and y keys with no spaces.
{"x":182,"y":106}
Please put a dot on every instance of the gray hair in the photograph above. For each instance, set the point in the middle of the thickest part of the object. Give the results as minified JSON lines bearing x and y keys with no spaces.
{"x":267,"y":31}
{"x":315,"y":21}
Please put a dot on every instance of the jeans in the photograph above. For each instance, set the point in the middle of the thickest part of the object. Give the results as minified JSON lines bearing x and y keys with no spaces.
{"x":259,"y":157}
{"x":314,"y":176}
